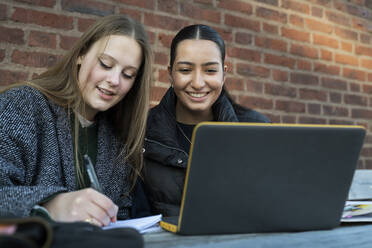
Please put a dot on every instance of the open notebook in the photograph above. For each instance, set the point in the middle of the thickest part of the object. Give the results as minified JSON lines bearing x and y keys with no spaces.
{"x":245,"y":177}
{"x":143,"y":225}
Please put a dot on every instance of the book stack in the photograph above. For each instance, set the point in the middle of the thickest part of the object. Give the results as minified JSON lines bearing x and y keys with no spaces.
{"x":358,"y":208}
{"x":357,"y":211}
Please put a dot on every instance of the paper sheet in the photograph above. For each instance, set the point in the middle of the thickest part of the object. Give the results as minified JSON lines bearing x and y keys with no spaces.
{"x":143,"y":225}
{"x":361,"y":188}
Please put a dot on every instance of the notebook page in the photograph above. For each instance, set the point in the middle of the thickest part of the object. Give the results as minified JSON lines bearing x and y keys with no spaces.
{"x":143,"y":225}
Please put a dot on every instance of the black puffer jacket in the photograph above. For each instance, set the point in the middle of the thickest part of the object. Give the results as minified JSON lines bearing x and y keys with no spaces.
{"x":165,"y":159}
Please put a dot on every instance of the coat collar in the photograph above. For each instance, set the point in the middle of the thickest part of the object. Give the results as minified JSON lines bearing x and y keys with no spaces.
{"x":162,"y":124}
{"x":222,"y":108}
{"x":107,"y":150}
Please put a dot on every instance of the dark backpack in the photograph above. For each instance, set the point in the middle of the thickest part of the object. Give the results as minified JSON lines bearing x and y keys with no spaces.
{"x":34,"y":232}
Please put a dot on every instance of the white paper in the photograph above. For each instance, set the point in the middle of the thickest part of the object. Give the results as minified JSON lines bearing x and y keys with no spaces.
{"x":361,"y":187}
{"x":143,"y":225}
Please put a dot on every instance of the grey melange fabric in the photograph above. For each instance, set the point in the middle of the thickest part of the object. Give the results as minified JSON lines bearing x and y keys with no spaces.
{"x":36,"y":154}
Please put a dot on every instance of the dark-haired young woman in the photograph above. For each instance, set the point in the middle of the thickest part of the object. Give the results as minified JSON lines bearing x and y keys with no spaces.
{"x":197,"y":74}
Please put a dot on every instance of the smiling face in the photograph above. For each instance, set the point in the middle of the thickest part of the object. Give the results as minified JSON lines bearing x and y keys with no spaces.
{"x":107,"y":72}
{"x":197,"y":76}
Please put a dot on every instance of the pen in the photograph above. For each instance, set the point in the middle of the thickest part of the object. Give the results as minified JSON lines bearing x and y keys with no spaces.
{"x":91,"y":174}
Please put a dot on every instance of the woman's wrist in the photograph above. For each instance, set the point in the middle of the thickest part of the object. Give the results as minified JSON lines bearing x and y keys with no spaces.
{"x":41,"y":211}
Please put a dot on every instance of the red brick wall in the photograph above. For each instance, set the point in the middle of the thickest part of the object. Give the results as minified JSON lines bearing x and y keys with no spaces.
{"x":296,"y":61}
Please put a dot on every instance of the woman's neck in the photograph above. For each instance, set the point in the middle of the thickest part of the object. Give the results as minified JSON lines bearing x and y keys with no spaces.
{"x":83,"y":121}
{"x":184,"y":115}
{"x":87,"y":112}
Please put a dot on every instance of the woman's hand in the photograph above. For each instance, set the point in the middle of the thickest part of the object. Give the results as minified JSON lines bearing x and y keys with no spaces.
{"x":83,"y":205}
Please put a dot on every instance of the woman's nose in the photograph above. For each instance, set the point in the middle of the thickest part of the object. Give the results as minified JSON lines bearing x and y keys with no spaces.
{"x":114,"y":77}
{"x":197,"y":80}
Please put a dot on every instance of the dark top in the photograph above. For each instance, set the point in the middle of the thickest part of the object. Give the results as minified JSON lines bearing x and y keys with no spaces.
{"x":184,"y":135}
{"x":87,"y":145}
{"x":166,"y":153}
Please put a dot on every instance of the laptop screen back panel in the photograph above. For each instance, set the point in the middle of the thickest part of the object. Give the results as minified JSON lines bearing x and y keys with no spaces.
{"x":245,"y":178}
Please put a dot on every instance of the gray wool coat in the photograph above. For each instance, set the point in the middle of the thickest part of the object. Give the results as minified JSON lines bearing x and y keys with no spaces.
{"x":36,"y":154}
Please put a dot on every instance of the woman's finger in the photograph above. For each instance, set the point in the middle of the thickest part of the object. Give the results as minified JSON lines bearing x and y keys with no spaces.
{"x":93,"y":221}
{"x":100,"y":207}
{"x":105,"y":204}
{"x":98,"y":214}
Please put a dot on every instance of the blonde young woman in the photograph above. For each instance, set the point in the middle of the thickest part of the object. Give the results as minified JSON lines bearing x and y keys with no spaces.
{"x":94,"y":101}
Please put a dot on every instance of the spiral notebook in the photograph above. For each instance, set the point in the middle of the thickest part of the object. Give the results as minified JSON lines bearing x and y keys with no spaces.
{"x":244,"y":178}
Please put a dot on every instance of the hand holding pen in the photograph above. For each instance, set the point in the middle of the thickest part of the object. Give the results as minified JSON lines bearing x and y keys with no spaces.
{"x":89,"y":205}
{"x":94,"y":183}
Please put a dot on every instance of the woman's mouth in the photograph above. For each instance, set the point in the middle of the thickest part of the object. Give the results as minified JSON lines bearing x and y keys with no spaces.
{"x":197,"y":95}
{"x":105,"y":91}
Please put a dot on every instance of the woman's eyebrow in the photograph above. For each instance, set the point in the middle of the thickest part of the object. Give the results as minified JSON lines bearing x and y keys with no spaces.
{"x":205,"y":64}
{"x":106,"y":56}
{"x":211,"y":63}
{"x":184,"y":63}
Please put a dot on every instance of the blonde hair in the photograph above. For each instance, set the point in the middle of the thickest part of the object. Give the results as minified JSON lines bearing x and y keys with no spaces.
{"x":60,"y":84}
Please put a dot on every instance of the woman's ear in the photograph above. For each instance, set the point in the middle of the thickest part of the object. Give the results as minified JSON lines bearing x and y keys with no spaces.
{"x":224,"y":73}
{"x":79,"y":60}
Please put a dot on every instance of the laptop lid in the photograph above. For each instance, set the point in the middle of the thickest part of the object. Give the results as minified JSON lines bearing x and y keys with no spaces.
{"x":245,"y":177}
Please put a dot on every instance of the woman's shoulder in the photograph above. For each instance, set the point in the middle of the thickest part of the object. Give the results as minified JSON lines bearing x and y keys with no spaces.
{"x":22,"y":99}
{"x":22,"y":93}
{"x":249,"y":115}
{"x":155,"y":111}
{"x":158,"y":114}
{"x":164,"y":110}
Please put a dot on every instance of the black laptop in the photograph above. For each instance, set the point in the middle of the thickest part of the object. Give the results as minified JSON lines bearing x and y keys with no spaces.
{"x":244,"y":178}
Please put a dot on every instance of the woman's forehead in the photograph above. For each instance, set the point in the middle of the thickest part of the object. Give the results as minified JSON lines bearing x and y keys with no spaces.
{"x":198,"y":50}
{"x":120,"y":47}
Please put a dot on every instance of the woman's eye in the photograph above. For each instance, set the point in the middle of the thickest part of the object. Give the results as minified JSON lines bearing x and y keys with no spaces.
{"x":104,"y":65}
{"x":127,"y":76}
{"x":211,"y":70}
{"x":184,"y":70}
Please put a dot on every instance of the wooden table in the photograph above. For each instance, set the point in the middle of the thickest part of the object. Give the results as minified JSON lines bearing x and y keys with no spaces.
{"x":350,"y":236}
